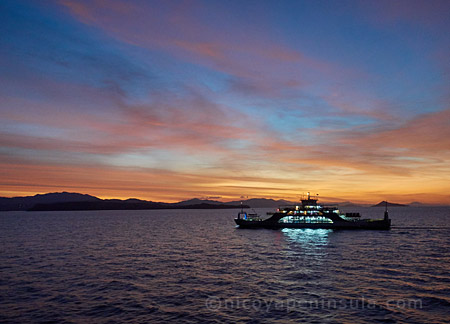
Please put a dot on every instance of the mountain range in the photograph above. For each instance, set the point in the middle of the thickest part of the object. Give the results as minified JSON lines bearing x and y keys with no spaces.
{"x":76,"y":201}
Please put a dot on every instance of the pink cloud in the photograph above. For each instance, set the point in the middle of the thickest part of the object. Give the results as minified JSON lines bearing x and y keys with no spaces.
{"x":185,"y":124}
{"x":266,"y":65}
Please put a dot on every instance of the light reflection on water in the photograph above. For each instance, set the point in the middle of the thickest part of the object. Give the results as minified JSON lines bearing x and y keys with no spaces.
{"x":307,"y":241}
{"x":314,"y":237}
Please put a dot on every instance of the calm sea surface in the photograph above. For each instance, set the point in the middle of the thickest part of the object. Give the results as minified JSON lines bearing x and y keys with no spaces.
{"x":190,"y":266}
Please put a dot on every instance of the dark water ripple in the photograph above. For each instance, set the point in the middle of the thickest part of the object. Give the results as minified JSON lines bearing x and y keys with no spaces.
{"x":195,"y":266}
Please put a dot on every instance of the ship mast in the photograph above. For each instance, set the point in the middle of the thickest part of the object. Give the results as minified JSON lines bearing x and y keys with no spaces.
{"x":386,"y":213}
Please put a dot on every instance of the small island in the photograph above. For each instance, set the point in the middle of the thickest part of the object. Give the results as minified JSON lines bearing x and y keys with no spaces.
{"x":389,"y":204}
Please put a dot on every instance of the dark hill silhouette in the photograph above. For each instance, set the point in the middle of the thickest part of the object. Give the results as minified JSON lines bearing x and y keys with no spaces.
{"x":418,"y":204}
{"x":253,"y":203}
{"x":383,"y":204}
{"x":262,"y":203}
{"x":25,"y":203}
{"x":197,"y":201}
{"x":75,"y":201}
{"x":344,"y":204}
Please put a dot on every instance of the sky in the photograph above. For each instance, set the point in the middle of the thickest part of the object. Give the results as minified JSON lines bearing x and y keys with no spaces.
{"x":171,"y":100}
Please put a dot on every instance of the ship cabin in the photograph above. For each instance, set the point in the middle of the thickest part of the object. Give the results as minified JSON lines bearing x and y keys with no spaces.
{"x":308,"y":212}
{"x":249,"y":216}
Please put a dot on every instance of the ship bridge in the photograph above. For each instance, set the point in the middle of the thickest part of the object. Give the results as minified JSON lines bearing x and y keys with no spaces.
{"x":309,"y":202}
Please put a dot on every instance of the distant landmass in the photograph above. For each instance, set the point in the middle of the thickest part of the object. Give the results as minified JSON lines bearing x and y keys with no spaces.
{"x":418,"y":204}
{"x":76,"y":201}
{"x":389,"y":204}
{"x":263,"y":203}
{"x":345,"y":204}
{"x":66,"y":201}
{"x":197,"y":201}
{"x":25,"y":203}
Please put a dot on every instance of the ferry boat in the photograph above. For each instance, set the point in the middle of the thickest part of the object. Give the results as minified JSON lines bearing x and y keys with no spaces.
{"x":310,"y":214}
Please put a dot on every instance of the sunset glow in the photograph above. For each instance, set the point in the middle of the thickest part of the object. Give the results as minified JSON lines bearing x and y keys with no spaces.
{"x":171,"y":100}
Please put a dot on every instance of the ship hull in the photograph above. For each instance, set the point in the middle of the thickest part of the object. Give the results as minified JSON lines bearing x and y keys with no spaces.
{"x":360,"y":224}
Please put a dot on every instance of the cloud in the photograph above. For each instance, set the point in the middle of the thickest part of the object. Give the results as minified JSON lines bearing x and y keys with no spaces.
{"x":47,"y":56}
{"x":262,"y":64}
{"x":255,"y":64}
{"x":425,"y":135}
{"x":181,"y":123}
{"x":21,"y":178}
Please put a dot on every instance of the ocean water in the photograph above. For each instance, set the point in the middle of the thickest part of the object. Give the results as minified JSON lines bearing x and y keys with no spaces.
{"x":190,"y":266}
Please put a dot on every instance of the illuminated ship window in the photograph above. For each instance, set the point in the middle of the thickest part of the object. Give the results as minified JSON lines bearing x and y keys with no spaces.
{"x":297,"y":219}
